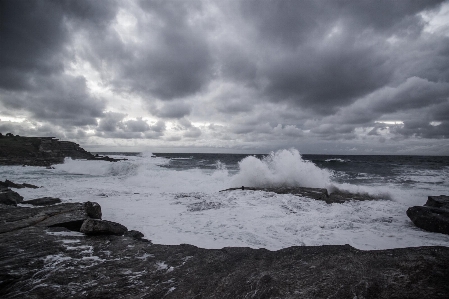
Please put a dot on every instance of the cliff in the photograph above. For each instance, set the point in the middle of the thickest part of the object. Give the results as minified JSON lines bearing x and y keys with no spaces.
{"x":41,"y":151}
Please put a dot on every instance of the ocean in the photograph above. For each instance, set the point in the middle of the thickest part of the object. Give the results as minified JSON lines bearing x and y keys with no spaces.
{"x":176,"y":198}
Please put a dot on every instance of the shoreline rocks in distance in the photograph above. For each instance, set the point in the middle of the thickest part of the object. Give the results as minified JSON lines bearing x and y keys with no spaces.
{"x":42,"y":151}
{"x":433,"y":216}
{"x":336,"y":196}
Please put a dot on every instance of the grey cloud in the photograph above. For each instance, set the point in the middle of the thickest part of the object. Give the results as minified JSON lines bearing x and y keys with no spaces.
{"x":172,"y":59}
{"x":192,"y":132}
{"x":263,"y":70}
{"x":35,"y":39}
{"x":111,"y":121}
{"x":414,"y":93}
{"x":172,"y":110}
{"x":138,"y":125}
{"x":113,"y":125}
{"x":158,"y":127}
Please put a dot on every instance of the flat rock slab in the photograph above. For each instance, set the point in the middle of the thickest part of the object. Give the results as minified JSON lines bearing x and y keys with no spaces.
{"x":70,"y":215}
{"x":337,"y":196}
{"x":40,"y":262}
{"x":43,"y":201}
{"x":102,"y":227}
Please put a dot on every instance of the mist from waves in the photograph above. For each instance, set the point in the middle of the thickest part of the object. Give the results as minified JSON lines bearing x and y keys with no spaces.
{"x":283,"y":168}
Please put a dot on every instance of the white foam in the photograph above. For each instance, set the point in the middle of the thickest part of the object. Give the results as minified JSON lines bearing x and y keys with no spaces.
{"x":184,"y":206}
{"x":281,"y":168}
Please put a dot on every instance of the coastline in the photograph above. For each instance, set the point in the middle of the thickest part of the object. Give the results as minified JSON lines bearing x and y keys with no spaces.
{"x":46,"y":254}
{"x":42,"y":258}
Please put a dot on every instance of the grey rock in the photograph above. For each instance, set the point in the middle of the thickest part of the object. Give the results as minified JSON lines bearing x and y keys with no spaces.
{"x":336,"y":196}
{"x":53,"y":262}
{"x":102,"y":227}
{"x":134,"y":234}
{"x":430,"y":218}
{"x":8,"y":183}
{"x":43,"y":201}
{"x":93,"y":210}
{"x":9,"y":197}
{"x":441,"y":201}
{"x":68,"y":215}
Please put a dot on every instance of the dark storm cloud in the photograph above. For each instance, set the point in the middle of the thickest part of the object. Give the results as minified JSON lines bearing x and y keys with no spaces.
{"x":35,"y":39}
{"x":113,"y":125}
{"x":171,"y":58}
{"x":172,"y":110}
{"x":260,"y":70}
{"x":325,"y":55}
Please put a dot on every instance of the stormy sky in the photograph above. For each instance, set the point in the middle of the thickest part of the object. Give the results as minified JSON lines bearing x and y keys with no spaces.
{"x":325,"y":77}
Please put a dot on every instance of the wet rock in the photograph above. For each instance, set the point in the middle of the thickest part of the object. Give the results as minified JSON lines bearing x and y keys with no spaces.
{"x":43,"y":201}
{"x":39,"y":151}
{"x":134,"y":234}
{"x":441,"y":201}
{"x":429,"y":218}
{"x":9,"y":197}
{"x":68,"y":215}
{"x":8,"y":183}
{"x":336,"y":196}
{"x":93,"y":210}
{"x":53,"y":262}
{"x":102,"y":227}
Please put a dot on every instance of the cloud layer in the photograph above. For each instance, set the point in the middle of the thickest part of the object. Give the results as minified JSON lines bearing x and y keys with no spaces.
{"x":253,"y":76}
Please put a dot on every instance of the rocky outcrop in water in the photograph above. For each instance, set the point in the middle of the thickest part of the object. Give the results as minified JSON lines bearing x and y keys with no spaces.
{"x":9,"y":197}
{"x":42,"y":151}
{"x":336,"y":196}
{"x":43,"y":255}
{"x":433,"y":216}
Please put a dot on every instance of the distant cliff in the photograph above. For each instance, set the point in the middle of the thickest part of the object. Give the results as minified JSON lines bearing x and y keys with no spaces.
{"x":38,"y":151}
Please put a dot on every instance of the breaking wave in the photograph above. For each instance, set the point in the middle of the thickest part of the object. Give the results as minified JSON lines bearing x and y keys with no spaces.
{"x":279,"y":169}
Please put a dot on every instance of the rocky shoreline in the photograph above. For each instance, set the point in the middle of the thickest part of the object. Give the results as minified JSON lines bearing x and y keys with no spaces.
{"x":54,"y":249}
{"x":42,"y":151}
{"x":66,"y":250}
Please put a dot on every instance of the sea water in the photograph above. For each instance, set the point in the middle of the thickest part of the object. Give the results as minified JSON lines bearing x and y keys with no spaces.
{"x":176,"y":198}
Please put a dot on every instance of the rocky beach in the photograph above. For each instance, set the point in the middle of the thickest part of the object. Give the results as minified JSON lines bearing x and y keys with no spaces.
{"x":56,"y":248}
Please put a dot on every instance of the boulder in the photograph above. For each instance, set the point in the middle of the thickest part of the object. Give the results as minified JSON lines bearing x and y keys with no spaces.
{"x":8,"y":183}
{"x":43,"y":201}
{"x":102,"y":227}
{"x":441,"y":201}
{"x":93,"y":210}
{"x":430,"y":218}
{"x":67,"y":215}
{"x":134,"y":234}
{"x":9,"y":197}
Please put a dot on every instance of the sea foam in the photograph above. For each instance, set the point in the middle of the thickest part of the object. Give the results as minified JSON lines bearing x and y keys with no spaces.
{"x":281,"y":168}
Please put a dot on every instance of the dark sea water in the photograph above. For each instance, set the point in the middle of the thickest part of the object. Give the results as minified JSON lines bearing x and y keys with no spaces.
{"x":354,"y":169}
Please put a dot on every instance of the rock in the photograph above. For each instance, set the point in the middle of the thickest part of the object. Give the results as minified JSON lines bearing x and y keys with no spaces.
{"x":68,"y":215}
{"x":8,"y":183}
{"x":429,"y":218}
{"x":134,"y":234}
{"x":9,"y":197}
{"x":53,"y":262}
{"x":38,"y":151}
{"x":93,"y":210}
{"x":102,"y":227}
{"x":337,"y":196}
{"x":441,"y":201}
{"x":43,"y":201}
